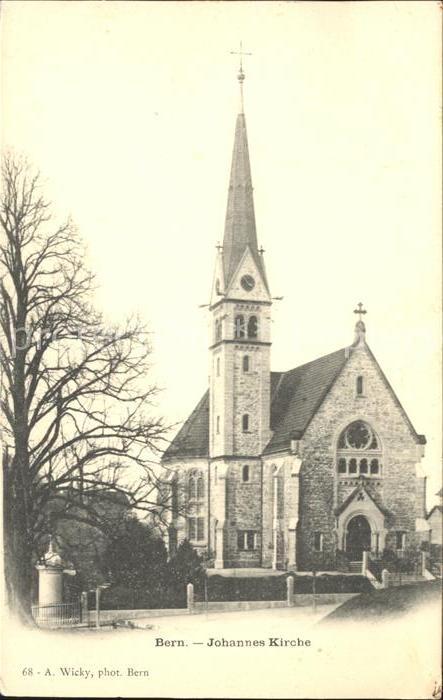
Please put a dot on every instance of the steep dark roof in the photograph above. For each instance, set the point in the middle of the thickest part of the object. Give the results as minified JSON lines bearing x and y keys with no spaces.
{"x":192,"y":440}
{"x":296,"y":396}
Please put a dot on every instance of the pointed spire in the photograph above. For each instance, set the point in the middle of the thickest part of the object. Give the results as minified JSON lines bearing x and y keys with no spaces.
{"x":240,"y":230}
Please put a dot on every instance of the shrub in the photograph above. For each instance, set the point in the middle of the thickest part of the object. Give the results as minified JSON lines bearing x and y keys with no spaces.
{"x":245,"y":588}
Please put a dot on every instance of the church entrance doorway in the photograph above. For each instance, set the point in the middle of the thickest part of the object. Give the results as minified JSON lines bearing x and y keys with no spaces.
{"x":358,"y":538}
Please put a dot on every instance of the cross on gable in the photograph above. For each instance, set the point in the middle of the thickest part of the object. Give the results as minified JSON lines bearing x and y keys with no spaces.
{"x":360,"y":310}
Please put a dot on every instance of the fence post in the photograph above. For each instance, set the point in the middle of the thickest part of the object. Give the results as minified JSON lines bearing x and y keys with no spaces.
{"x":84,"y":607}
{"x":423,"y":563}
{"x":385,"y":578}
{"x":98,"y":591}
{"x":290,"y":591}
{"x":365,"y":563}
{"x":190,"y":597}
{"x":314,"y":600}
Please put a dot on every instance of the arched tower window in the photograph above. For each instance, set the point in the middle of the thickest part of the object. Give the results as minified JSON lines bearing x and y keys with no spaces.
{"x":359,"y":386}
{"x":245,"y":423}
{"x":245,"y":472}
{"x":359,"y":451}
{"x":239,"y":329}
{"x":218,"y":331}
{"x":252,"y":327}
{"x":245,"y":363}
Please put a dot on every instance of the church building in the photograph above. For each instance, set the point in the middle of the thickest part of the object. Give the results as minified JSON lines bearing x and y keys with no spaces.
{"x":296,"y":469}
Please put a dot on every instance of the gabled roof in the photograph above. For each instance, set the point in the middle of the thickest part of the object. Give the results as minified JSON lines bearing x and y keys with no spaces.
{"x":420,"y":439}
{"x":352,"y":496}
{"x":439,"y":509}
{"x":192,"y":440}
{"x":296,"y":396}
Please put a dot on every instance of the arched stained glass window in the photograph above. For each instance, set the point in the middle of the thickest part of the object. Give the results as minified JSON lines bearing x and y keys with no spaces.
{"x":375,"y":466}
{"x":192,"y":487}
{"x":358,"y":450}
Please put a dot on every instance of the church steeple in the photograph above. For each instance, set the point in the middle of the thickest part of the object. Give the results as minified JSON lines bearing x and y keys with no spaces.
{"x":240,"y":323}
{"x":240,"y":230}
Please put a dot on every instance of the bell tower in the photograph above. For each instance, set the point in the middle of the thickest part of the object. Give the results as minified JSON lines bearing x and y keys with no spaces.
{"x":240,"y":320}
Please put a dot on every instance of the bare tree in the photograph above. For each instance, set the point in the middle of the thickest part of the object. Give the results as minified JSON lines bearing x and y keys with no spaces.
{"x":78,"y":417}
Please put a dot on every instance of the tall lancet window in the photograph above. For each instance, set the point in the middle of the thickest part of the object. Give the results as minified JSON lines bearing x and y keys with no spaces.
{"x":239,"y":329}
{"x":253,"y":327}
{"x":218,"y":331}
{"x":196,"y":507}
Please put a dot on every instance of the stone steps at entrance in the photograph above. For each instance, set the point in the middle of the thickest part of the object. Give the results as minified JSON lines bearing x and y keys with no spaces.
{"x":404,"y":579}
{"x":355,"y":567}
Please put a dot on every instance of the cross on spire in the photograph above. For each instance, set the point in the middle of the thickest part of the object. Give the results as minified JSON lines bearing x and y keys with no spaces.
{"x":360,"y":310}
{"x":241,"y":75}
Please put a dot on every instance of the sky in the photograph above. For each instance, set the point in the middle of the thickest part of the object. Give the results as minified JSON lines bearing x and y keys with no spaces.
{"x":128,"y":110}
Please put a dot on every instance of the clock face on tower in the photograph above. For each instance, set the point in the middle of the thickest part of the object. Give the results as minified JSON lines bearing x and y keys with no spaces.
{"x":247,"y":282}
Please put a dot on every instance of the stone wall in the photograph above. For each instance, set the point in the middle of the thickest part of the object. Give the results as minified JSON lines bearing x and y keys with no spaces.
{"x":321,"y":489}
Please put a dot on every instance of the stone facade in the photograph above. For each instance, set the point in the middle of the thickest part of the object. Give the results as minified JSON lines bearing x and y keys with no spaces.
{"x":296,"y":469}
{"x":323,"y":489}
{"x":290,"y":498}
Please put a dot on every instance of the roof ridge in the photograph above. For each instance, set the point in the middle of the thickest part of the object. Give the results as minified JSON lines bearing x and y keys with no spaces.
{"x":317,"y":359}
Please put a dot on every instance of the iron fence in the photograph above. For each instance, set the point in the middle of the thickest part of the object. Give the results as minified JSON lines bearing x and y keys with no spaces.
{"x":57,"y":615}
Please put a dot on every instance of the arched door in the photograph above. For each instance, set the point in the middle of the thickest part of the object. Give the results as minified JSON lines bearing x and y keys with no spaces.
{"x":358,"y":538}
